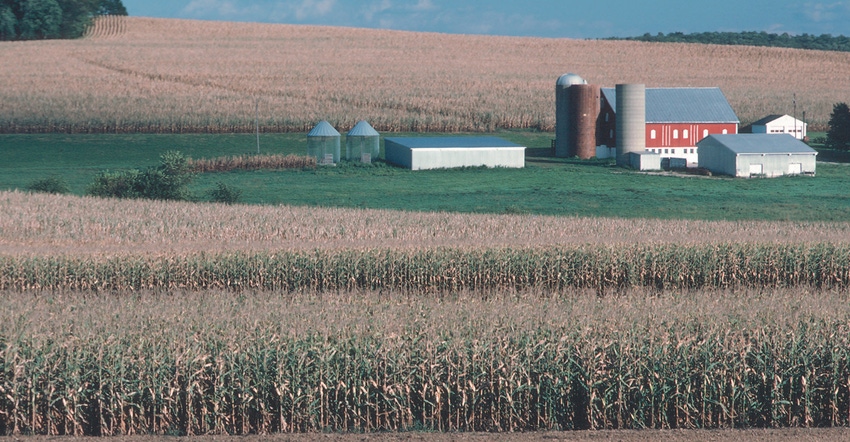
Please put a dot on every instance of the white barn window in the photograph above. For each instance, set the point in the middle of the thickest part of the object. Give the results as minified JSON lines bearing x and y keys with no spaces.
{"x":652,"y":134}
{"x":675,"y":134}
{"x":704,"y":133}
{"x":685,"y":134}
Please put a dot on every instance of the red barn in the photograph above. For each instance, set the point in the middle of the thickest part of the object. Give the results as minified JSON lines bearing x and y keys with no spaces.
{"x":676,"y":119}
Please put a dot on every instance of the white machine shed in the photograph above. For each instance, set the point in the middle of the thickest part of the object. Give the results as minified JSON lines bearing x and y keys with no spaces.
{"x":747,"y":155}
{"x":419,"y":153}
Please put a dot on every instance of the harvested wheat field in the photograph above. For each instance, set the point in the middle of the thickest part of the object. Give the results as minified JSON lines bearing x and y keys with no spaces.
{"x":163,"y":75}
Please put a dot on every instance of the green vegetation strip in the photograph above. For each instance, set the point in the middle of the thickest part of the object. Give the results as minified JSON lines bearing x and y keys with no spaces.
{"x":448,"y":270}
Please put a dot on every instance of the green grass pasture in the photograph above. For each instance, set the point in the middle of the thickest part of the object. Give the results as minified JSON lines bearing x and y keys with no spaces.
{"x":548,"y":185}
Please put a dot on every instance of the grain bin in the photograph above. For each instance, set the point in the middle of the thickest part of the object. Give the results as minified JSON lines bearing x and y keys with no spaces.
{"x":562,"y":114}
{"x":323,"y":143}
{"x":584,"y":111}
{"x":362,"y":143}
{"x":631,"y":119}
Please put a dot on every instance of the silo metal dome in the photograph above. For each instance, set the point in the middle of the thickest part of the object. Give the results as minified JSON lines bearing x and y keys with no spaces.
{"x":323,"y":143}
{"x":362,"y":143}
{"x":570,"y":79}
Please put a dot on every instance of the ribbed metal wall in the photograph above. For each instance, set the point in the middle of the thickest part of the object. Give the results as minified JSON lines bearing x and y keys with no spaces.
{"x":631,"y":118}
{"x":584,"y":111}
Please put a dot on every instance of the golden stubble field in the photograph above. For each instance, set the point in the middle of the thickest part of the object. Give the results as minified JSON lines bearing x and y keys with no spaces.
{"x":163,"y":75}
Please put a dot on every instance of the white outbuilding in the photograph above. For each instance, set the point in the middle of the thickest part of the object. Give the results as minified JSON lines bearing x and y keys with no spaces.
{"x":419,"y":153}
{"x":781,"y":124}
{"x":756,"y":155}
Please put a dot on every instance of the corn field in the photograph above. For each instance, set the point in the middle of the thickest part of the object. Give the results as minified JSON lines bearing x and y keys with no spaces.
{"x":41,"y":225}
{"x":213,"y":363}
{"x":441,"y":271}
{"x":170,"y":318}
{"x":157,"y":75}
{"x":251,"y":162}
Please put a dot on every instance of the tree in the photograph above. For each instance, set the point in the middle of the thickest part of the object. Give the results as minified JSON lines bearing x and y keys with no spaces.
{"x":8,"y":21}
{"x":41,"y":19}
{"x":111,"y":7}
{"x":838,"y":136}
{"x":77,"y":16}
{"x":169,"y":180}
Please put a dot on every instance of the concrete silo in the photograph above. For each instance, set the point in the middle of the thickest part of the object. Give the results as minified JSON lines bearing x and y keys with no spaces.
{"x":583,"y":112}
{"x":362,"y":143}
{"x":631,"y":120}
{"x":563,"y":148}
{"x":323,"y":143}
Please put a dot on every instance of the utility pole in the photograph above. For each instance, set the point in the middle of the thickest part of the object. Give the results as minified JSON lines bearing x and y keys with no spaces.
{"x":795,"y":115}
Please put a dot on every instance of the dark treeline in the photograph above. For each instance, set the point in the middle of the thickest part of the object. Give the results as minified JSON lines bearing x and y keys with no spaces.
{"x":824,"y":42}
{"x":43,"y":19}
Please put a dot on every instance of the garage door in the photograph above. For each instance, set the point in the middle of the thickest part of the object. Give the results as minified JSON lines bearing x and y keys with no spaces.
{"x":795,"y":168}
{"x":756,"y":169}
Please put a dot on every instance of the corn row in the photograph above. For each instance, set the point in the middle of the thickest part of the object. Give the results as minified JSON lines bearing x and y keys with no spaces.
{"x":252,"y":162}
{"x":447,"y":270}
{"x":542,"y":380}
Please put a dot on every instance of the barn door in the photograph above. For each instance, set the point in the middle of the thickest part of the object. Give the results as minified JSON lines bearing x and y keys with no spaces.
{"x":756,"y":169}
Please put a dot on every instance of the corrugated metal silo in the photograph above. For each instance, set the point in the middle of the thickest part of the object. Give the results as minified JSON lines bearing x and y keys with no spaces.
{"x":584,"y":110}
{"x":323,"y":143}
{"x":362,"y":143}
{"x":631,"y":119}
{"x":562,"y":114}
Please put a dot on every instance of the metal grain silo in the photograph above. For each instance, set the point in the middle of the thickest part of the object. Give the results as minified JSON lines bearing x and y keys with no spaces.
{"x":562,"y":114}
{"x":583,"y":112}
{"x":323,"y":143}
{"x":362,"y":143}
{"x":631,"y":119}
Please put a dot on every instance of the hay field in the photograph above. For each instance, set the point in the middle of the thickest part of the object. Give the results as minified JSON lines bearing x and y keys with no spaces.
{"x":162,"y":75}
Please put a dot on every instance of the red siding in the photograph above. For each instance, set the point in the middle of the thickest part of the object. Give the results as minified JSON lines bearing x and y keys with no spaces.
{"x":607,"y":131}
{"x":673,"y":134}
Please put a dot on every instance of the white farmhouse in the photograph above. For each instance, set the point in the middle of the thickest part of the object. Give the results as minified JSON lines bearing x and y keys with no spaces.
{"x":780,"y":124}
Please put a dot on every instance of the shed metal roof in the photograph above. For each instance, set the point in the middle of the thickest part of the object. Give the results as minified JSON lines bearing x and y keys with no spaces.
{"x":323,"y":129}
{"x":744,"y":144}
{"x":771,"y":118}
{"x":363,"y":129}
{"x":682,"y":105}
{"x":767,"y":119}
{"x":451,"y":142}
